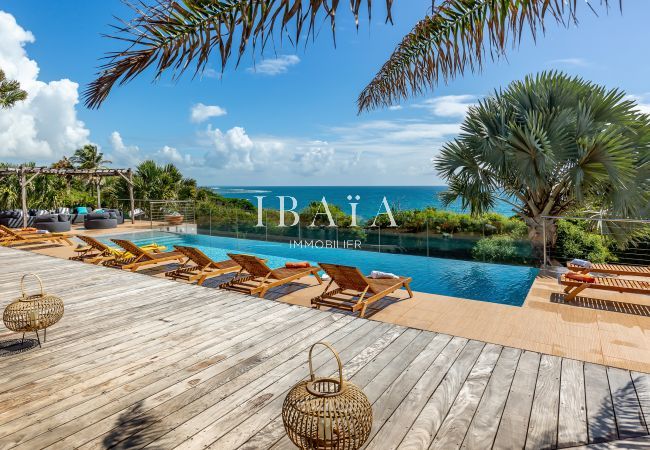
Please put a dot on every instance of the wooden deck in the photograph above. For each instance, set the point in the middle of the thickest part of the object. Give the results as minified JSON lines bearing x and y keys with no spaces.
{"x":139,"y":362}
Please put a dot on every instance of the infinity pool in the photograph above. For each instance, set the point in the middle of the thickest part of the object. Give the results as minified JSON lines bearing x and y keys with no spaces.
{"x":496,"y":283}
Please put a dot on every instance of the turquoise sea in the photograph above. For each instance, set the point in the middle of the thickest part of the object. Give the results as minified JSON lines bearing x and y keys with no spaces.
{"x":370,"y":197}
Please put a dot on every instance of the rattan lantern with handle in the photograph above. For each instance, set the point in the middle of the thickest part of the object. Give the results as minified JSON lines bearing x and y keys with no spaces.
{"x":327,"y":413}
{"x":33,"y":312}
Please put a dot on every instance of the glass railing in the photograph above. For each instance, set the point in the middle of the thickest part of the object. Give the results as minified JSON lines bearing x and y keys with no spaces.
{"x":429,"y":238}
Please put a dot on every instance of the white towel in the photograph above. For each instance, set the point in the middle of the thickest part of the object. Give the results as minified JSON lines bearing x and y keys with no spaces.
{"x":377,"y":274}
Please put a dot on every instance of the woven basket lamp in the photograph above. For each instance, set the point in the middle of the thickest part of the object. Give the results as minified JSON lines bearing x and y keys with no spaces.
{"x":327,"y":413}
{"x":33,"y":312}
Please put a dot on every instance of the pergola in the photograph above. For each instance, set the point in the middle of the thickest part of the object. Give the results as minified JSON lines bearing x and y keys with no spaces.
{"x":27,"y":174}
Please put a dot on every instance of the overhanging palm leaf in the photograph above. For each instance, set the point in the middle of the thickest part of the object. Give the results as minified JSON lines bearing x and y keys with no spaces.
{"x":457,"y":36}
{"x":173,"y":35}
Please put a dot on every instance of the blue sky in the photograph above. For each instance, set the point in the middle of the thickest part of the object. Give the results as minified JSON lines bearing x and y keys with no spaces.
{"x":293,"y":119}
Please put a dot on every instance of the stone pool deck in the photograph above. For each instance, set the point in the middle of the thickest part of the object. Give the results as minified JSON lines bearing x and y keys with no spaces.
{"x":599,"y":327}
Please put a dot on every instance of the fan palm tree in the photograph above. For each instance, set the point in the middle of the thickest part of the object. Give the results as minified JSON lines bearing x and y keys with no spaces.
{"x":89,"y":157}
{"x":10,"y":92}
{"x":456,"y":35}
{"x":547,"y":145}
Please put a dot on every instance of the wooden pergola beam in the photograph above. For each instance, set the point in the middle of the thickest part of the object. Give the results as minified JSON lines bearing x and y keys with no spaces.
{"x":22,"y":172}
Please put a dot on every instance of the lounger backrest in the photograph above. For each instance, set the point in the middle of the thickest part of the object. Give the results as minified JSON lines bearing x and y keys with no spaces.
{"x":10,"y":232}
{"x":132,"y":248}
{"x":195,"y":255}
{"x":94,"y":243}
{"x":251,"y":264}
{"x":345,"y":277}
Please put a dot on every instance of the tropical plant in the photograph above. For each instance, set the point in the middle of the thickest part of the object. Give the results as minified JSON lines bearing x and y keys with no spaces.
{"x":457,"y":35}
{"x":495,"y":249}
{"x":574,"y":240}
{"x":89,"y":157}
{"x":157,"y":182}
{"x":552,"y":143}
{"x":10,"y":92}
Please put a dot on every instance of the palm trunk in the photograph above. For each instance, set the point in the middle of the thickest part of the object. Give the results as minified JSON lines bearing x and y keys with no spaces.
{"x":99,"y":197}
{"x":539,"y":230}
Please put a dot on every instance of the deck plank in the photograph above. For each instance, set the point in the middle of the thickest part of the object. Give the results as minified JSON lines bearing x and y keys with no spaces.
{"x":601,"y":421}
{"x":428,"y":423}
{"x":572,"y":418}
{"x":642,"y":386}
{"x":485,"y":423}
{"x":629,"y":417}
{"x":513,"y":428}
{"x":542,"y":428}
{"x":454,"y":427}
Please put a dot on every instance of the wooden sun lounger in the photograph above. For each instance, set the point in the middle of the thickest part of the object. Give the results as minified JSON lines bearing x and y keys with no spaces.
{"x":97,"y":251}
{"x":354,"y":291}
{"x":141,"y":257}
{"x":12,"y":237}
{"x":612,"y":269}
{"x":574,"y":287}
{"x":259,"y":277}
{"x":204,"y":267}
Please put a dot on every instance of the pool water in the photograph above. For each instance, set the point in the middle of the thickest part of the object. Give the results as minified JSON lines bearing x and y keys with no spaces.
{"x":496,"y":283}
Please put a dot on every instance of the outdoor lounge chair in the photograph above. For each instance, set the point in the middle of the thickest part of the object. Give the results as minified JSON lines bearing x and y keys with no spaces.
{"x":574,"y":287}
{"x":259,"y":277}
{"x":97,"y":252}
{"x":612,"y":269}
{"x":11,"y":237}
{"x":204,"y":267}
{"x":141,"y":257}
{"x":354,"y":291}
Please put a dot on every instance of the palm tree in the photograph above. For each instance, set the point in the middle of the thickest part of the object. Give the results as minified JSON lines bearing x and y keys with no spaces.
{"x":89,"y":157}
{"x":547,"y":145}
{"x":456,"y":35}
{"x":10,"y":92}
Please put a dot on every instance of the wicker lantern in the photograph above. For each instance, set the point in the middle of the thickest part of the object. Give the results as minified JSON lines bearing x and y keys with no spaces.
{"x":327,"y":413}
{"x":33,"y":312}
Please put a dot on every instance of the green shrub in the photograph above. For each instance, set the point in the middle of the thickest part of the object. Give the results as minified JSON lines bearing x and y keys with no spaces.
{"x":495,"y":248}
{"x":574,"y":241}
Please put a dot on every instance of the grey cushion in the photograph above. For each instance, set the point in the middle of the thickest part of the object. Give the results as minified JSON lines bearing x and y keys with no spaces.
{"x":95,"y":216}
{"x":50,"y":218}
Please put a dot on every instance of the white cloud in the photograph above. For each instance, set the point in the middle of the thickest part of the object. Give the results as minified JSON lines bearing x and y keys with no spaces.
{"x":448,"y":105}
{"x":45,"y":126}
{"x":122,"y":154}
{"x":642,"y":101}
{"x":200,"y":112}
{"x":575,"y":62}
{"x":314,"y":161}
{"x":233,"y":149}
{"x":395,"y":108}
{"x":210,"y":73}
{"x":169,"y":154}
{"x":275,"y":66}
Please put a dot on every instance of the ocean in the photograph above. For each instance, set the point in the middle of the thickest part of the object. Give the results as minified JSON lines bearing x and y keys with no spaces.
{"x":369,"y":202}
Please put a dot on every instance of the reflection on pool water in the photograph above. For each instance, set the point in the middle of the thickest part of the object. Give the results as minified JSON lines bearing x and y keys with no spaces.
{"x":496,"y":283}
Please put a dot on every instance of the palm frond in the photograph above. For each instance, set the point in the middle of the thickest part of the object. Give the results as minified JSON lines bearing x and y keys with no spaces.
{"x":10,"y":92}
{"x":175,"y":35}
{"x":458,"y":36}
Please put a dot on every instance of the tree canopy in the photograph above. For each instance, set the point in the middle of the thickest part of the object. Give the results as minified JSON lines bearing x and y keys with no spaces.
{"x":549,"y":144}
